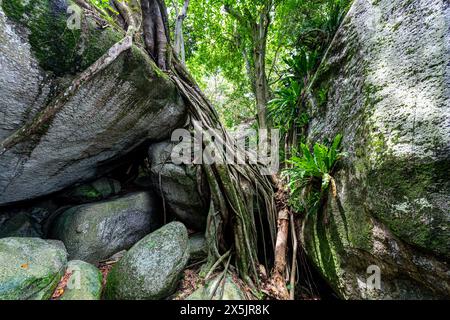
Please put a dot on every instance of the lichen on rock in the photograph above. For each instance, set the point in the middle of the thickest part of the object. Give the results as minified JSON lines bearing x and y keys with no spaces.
{"x":124,"y":106}
{"x":387,"y":72}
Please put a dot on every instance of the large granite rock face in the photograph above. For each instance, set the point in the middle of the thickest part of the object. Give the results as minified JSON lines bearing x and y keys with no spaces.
{"x":183,"y":188}
{"x":95,"y":231}
{"x":151,"y":269}
{"x":123,"y":106}
{"x":30,"y":268}
{"x":389,"y":78}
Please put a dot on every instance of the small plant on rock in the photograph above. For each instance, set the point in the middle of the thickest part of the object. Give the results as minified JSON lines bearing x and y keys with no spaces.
{"x":310,"y":175}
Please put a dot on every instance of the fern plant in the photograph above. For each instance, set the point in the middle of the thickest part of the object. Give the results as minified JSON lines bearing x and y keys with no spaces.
{"x":312,"y":172}
{"x":283,"y":109}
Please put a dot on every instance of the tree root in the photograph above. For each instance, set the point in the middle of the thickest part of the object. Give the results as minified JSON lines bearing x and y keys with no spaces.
{"x":220,"y":281}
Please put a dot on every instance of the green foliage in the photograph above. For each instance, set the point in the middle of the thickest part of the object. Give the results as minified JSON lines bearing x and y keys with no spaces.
{"x":312,"y":171}
{"x":322,"y":96}
{"x":233,"y":105}
{"x":104,"y":4}
{"x":317,"y":22}
{"x":218,"y":44}
{"x":106,"y":10}
{"x":307,"y":30}
{"x":302,"y":64}
{"x":286,"y":100}
{"x":285,"y":109}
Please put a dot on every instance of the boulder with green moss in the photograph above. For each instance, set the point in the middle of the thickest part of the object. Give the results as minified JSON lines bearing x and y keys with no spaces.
{"x":30,"y":268}
{"x":387,"y":83}
{"x":151,"y":269}
{"x":95,"y":231}
{"x":84,"y":282}
{"x":123,"y":106}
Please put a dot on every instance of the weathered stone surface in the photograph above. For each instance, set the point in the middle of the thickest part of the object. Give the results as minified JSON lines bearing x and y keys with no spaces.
{"x":84,"y":282}
{"x":230,"y":291}
{"x":198,"y":247}
{"x":184,"y":189}
{"x":30,"y":268}
{"x":123,"y":106}
{"x":388,"y":77}
{"x":93,"y":232}
{"x":151,"y":269}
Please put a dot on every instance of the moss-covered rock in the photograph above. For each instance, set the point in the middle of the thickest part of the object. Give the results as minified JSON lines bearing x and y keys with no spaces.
{"x":388,"y":96}
{"x":58,"y":47}
{"x":30,"y":268}
{"x":122,"y":107}
{"x":94,"y":232}
{"x":84,"y":282}
{"x":151,"y":269}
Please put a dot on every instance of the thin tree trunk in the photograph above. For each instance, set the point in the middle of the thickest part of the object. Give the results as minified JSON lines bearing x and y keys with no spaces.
{"x":179,"y":37}
{"x":258,"y":33}
{"x":277,"y":284}
{"x":261,"y":86}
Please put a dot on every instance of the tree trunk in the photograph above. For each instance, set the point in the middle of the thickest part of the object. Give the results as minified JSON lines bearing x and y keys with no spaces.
{"x":179,"y":37}
{"x":261,"y":85}
{"x":258,"y":34}
{"x":154,"y":26}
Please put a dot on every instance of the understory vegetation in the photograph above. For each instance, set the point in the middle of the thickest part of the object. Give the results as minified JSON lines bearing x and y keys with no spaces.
{"x":310,"y":175}
{"x":256,"y":61}
{"x":246,"y":62}
{"x":224,"y":149}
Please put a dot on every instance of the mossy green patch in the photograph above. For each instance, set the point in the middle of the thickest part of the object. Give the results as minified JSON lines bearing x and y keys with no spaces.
{"x":54,"y":44}
{"x":415,"y":216}
{"x":58,"y":46}
{"x":321,"y":250}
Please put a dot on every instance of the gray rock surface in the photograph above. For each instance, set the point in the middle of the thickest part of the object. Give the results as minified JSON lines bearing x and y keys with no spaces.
{"x":95,"y":231}
{"x":84,"y":282}
{"x":389,"y":96}
{"x":151,"y":269}
{"x":184,"y":189}
{"x":125,"y":105}
{"x":30,"y":268}
{"x":197,"y":246}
